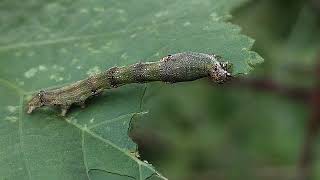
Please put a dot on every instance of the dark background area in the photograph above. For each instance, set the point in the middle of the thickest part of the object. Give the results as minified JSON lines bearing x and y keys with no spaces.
{"x":261,"y":126}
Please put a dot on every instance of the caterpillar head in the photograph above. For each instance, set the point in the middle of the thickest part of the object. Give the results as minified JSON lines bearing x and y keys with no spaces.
{"x":36,"y":102}
{"x":221,"y":72}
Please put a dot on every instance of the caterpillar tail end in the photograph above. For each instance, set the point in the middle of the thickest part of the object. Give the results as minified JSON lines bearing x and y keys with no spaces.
{"x":35,"y":102}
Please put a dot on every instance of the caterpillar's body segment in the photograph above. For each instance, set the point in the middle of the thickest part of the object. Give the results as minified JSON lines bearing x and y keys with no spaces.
{"x":186,"y":66}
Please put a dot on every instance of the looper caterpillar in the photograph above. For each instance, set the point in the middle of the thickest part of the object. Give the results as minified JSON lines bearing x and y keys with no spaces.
{"x":186,"y":66}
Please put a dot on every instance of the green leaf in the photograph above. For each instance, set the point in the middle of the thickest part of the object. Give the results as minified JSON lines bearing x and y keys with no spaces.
{"x":49,"y":43}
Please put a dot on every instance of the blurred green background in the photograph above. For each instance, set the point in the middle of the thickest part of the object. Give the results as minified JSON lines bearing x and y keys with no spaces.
{"x":261,"y":127}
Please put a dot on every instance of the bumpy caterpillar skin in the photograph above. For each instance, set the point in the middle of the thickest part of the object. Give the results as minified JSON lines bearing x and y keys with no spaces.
{"x":186,"y":66}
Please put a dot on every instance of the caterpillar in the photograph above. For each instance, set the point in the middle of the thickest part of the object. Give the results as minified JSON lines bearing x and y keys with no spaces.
{"x":185,"y":66}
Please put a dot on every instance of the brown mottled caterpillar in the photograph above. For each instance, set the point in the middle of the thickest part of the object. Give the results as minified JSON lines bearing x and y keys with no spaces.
{"x":186,"y":66}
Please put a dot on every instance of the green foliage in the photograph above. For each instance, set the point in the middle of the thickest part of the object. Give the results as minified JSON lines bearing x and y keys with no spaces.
{"x":198,"y":131}
{"x":285,"y":37}
{"x":48,"y":43}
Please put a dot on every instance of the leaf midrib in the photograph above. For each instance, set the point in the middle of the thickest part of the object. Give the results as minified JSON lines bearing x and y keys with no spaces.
{"x":105,"y":141}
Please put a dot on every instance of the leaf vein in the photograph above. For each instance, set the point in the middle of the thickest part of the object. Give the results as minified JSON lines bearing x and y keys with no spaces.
{"x":26,"y":164}
{"x":84,"y":154}
{"x":51,"y":41}
{"x":8,"y":84}
{"x":138,"y":161}
{"x":116,"y":119}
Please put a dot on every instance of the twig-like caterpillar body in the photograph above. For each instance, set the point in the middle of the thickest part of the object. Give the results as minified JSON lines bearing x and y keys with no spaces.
{"x":186,"y":66}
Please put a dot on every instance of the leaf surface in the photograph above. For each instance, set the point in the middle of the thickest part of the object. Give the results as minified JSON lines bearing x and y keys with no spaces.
{"x":50,"y":43}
